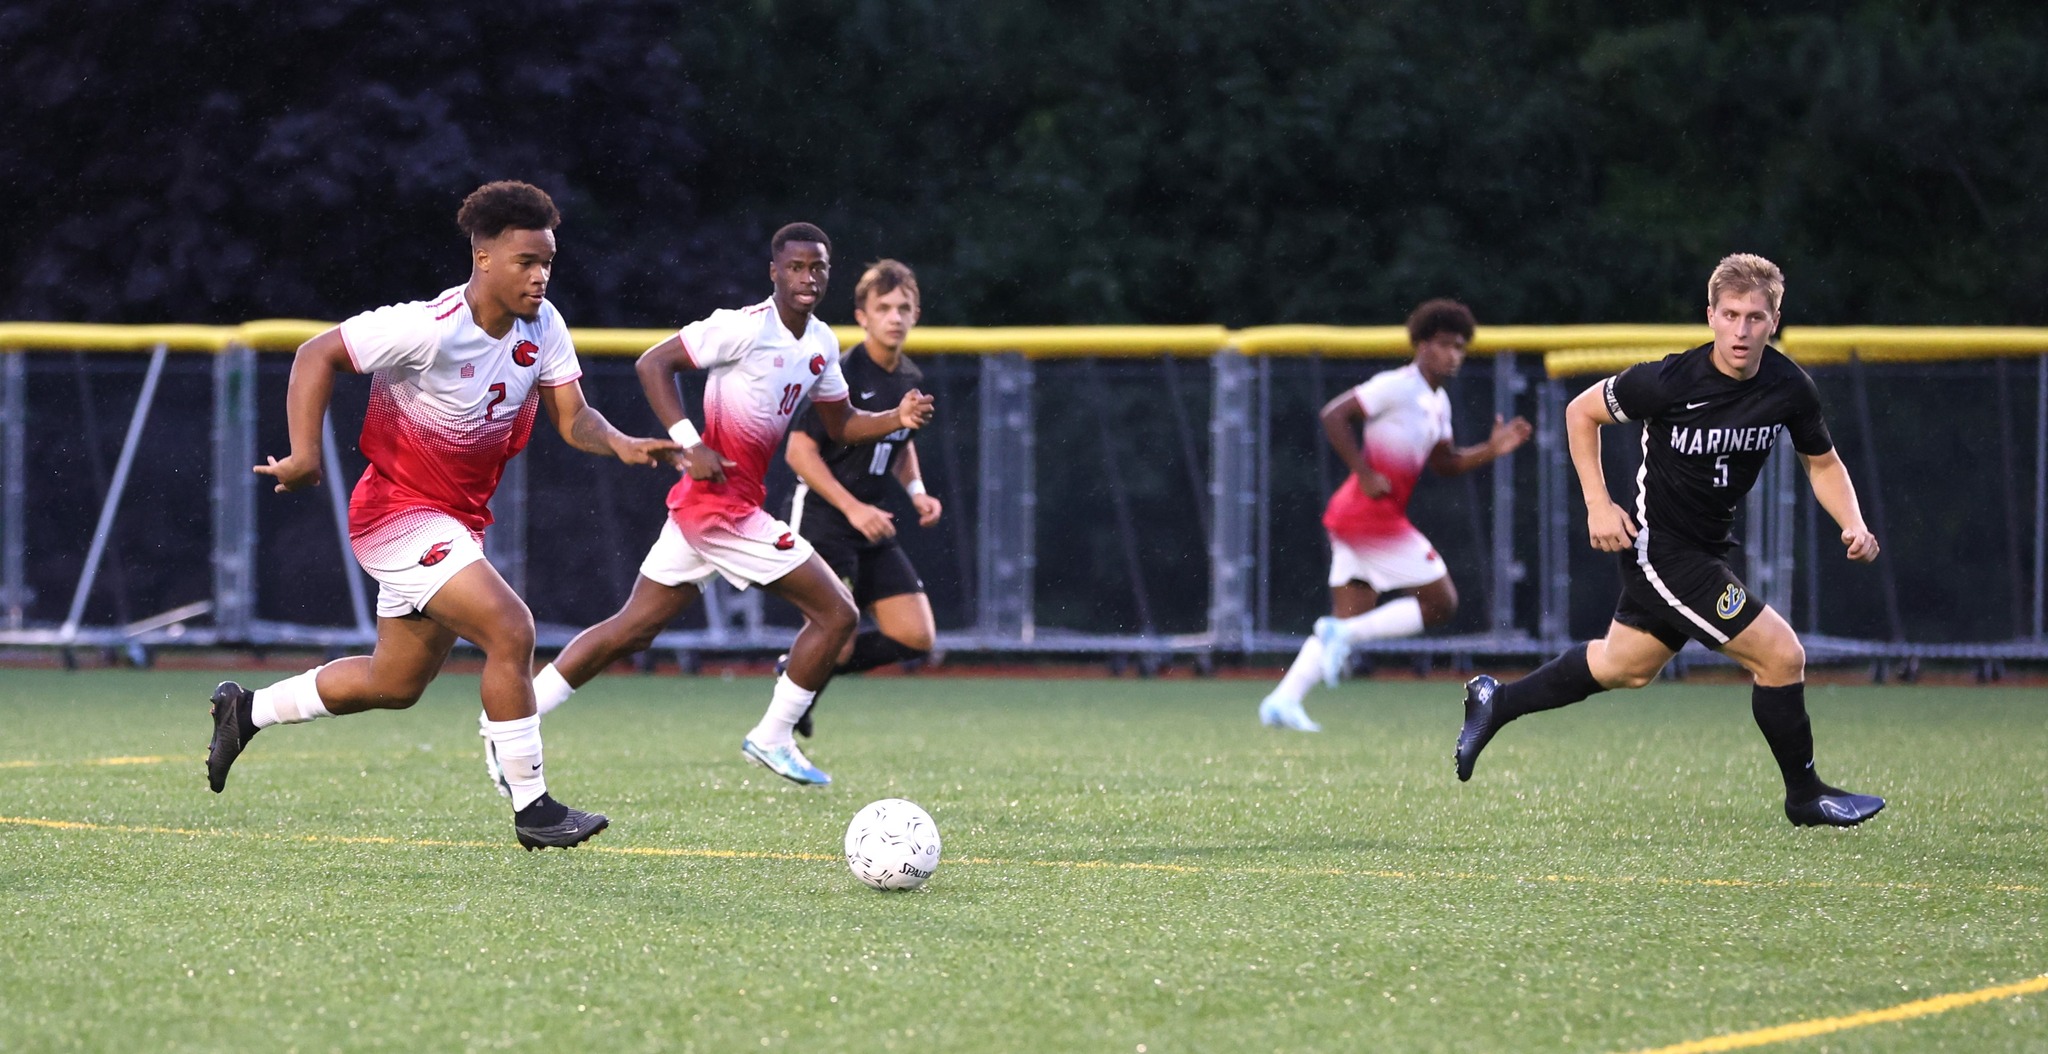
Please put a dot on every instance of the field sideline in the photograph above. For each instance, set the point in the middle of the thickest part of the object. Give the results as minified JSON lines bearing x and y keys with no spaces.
{"x":1129,"y":866}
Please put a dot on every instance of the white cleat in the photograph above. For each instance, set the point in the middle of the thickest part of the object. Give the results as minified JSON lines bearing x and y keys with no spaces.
{"x":491,"y":767}
{"x":1336,"y":649}
{"x":1278,"y":712}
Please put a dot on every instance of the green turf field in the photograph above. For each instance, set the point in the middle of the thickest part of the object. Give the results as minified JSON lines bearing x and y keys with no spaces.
{"x":1130,"y":866}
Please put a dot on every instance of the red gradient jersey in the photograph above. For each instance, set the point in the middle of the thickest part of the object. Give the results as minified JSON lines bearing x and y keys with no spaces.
{"x":449,"y":403}
{"x":760,"y":374}
{"x":1405,"y":419}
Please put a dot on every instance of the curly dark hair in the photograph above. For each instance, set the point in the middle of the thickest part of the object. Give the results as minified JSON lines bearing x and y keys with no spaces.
{"x":798,"y":232}
{"x":494,"y":208}
{"x":1442,"y":315}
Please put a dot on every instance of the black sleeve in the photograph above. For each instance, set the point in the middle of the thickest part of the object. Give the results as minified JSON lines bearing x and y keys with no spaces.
{"x":1637,"y":393}
{"x":1806,"y":426}
{"x":808,"y":421}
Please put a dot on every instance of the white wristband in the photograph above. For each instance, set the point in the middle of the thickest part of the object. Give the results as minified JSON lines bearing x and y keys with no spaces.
{"x":684,"y":433}
{"x":915,"y":487}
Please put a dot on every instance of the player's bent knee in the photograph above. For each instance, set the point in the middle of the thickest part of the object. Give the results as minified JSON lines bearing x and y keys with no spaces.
{"x":1636,"y":679}
{"x":511,"y":637}
{"x":836,"y":619}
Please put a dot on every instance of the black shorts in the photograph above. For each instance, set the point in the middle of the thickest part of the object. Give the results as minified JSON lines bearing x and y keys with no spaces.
{"x":1682,"y":594}
{"x":871,"y":570}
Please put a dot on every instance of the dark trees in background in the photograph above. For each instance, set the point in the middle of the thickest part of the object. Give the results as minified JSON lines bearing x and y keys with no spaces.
{"x":1054,"y":162}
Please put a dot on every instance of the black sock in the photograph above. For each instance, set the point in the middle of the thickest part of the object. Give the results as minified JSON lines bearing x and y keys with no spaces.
{"x":1781,"y":713}
{"x":245,"y":716}
{"x":1560,"y":682}
{"x":541,"y":812}
{"x":875,"y":648}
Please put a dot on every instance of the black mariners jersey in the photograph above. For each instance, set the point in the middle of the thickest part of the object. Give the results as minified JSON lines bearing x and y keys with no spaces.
{"x":867,"y":470}
{"x":1706,"y":436}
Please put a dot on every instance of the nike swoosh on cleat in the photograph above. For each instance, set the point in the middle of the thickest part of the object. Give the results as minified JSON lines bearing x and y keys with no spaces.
{"x":867,"y":395}
{"x":1697,"y":405}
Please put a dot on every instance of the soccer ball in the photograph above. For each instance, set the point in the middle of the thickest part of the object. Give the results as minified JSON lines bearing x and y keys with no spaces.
{"x":892,"y":844}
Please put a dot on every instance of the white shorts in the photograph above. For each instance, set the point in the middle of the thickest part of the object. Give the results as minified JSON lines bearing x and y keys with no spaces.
{"x":412,"y":553}
{"x":755,"y":551}
{"x":1404,"y":561}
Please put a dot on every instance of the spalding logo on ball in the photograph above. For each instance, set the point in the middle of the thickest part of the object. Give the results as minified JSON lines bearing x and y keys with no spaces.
{"x":892,"y":844}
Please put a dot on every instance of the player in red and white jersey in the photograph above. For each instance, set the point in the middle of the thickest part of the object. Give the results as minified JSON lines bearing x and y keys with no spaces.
{"x":763,"y":362}
{"x":1374,"y":550}
{"x":456,"y":384}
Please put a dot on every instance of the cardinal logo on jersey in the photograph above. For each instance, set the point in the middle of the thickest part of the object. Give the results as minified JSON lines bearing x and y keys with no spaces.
{"x":525,"y":352}
{"x":817,"y":365}
{"x":786,"y":542}
{"x":1730,"y":604}
{"x":435,"y":554}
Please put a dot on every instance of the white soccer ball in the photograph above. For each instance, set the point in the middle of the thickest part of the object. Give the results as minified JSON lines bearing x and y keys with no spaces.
{"x":892,"y":844}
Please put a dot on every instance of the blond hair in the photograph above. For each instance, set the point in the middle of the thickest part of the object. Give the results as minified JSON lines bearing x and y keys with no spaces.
{"x":882,"y":278}
{"x":1741,"y":273}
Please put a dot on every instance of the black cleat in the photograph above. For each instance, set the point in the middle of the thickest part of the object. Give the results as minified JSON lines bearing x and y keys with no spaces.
{"x":1479,"y":727}
{"x":803,"y":724}
{"x":232,"y":729}
{"x":550,"y":824}
{"x":1837,"y":808}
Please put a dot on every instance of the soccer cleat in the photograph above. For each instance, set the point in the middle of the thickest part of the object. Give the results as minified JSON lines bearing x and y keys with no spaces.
{"x":494,"y":770}
{"x":1278,"y":712}
{"x":1834,"y":809}
{"x":785,"y":761}
{"x":803,"y":723}
{"x":1336,"y":649}
{"x":574,"y":828}
{"x":1479,"y":726}
{"x":232,"y":730}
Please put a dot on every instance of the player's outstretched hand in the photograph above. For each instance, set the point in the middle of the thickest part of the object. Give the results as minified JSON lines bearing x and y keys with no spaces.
{"x":636,"y":451}
{"x":874,"y":524}
{"x":1862,"y":544}
{"x":1507,"y":435}
{"x":928,"y":509}
{"x":1609,"y":528}
{"x":293,"y":473}
{"x":704,"y":463}
{"x":915,"y":411}
{"x":1374,"y":484}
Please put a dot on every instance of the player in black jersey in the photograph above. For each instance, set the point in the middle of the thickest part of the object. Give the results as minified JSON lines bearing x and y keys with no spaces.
{"x":838,"y":501}
{"x":1710,"y":418}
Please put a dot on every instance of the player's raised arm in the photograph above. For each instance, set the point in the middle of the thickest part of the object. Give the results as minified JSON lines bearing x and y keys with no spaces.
{"x":852,"y":427}
{"x":582,"y":427}
{"x":1448,"y":460}
{"x":911,"y":475}
{"x":1608,"y":525}
{"x":1343,"y":418}
{"x":305,"y":406}
{"x":657,"y":368}
{"x":1837,"y":494}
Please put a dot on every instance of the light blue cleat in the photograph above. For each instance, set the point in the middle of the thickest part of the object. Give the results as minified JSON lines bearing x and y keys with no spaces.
{"x":1336,"y":649}
{"x":785,"y":761}
{"x":1279,"y":712}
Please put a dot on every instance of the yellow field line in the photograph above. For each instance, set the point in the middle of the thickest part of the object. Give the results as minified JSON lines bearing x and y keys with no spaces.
{"x":1064,"y":865}
{"x":1939,"y":1004}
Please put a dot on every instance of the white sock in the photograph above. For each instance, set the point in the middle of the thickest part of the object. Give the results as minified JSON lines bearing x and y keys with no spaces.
{"x":1306,"y":671}
{"x":1395,"y":618}
{"x":550,"y":689}
{"x":784,"y":708}
{"x":518,"y":746}
{"x":289,"y":701}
